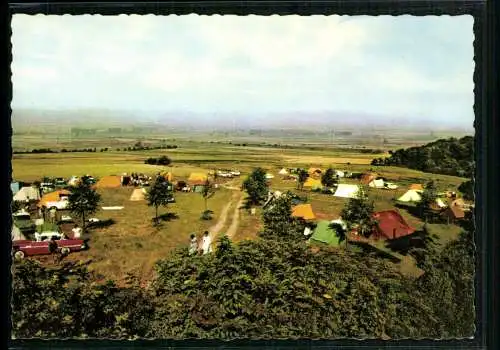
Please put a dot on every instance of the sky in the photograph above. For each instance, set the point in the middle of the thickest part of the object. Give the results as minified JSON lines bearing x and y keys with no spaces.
{"x":390,"y":67}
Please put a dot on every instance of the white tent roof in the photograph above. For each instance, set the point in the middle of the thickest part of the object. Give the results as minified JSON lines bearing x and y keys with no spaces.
{"x":137,"y":195}
{"x":27,"y":192}
{"x":376,"y":183}
{"x":17,"y":234}
{"x":440,"y":203}
{"x":411,"y":196}
{"x":283,"y":171}
{"x":339,"y":173}
{"x":346,"y":191}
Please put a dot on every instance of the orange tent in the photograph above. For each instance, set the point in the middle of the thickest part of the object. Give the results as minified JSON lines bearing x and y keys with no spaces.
{"x":417,"y":187}
{"x":368,"y":177}
{"x":109,"y":182}
{"x":52,"y":197}
{"x":168,"y":176}
{"x":303,"y":211}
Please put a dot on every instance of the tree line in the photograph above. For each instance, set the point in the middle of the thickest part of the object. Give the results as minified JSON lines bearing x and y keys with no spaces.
{"x":446,"y":156}
{"x":104,"y":149}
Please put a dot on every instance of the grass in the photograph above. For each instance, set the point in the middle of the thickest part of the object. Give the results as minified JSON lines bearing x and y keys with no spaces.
{"x":131,"y":244}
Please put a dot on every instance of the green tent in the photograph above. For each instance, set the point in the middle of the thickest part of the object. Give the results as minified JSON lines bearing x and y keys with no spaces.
{"x":324,"y":234}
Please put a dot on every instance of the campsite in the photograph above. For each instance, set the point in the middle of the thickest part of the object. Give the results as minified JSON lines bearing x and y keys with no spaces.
{"x":126,"y":243}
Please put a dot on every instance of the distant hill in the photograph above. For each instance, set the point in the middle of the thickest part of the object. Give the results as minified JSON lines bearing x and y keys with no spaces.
{"x":446,"y":156}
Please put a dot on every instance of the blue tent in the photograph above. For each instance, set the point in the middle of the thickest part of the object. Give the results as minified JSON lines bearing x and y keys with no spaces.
{"x":15,"y":187}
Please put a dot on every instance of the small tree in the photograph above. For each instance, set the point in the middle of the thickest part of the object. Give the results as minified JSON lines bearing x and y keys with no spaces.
{"x":278,"y":220}
{"x":83,"y":200}
{"x":159,"y":194}
{"x":428,"y":199}
{"x":301,"y":179}
{"x":341,"y":232}
{"x":467,"y":189}
{"x":207,"y":190}
{"x":256,"y":186}
{"x":358,"y":214}
{"x":329,"y":179}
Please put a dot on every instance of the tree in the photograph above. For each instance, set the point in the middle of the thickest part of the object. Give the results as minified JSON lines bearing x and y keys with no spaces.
{"x":207,"y":190}
{"x":428,"y":199}
{"x":329,"y":179}
{"x":256,"y":186}
{"x":301,"y":179}
{"x":341,"y":232}
{"x":358,"y":214}
{"x":278,"y":220}
{"x":159,"y":194}
{"x":83,"y":200}
{"x":467,"y":189}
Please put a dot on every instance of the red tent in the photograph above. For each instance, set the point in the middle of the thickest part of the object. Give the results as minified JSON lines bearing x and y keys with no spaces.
{"x":390,"y":225}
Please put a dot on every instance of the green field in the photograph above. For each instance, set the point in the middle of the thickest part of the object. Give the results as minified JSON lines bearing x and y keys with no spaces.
{"x":132,"y":245}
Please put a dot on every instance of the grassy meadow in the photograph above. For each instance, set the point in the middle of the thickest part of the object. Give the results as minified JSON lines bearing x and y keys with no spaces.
{"x":131,"y":245}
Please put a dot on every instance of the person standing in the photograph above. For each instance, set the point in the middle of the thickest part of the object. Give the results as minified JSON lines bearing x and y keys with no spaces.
{"x":53,"y":212}
{"x":77,"y":232}
{"x":206,"y":243}
{"x":193,"y":244}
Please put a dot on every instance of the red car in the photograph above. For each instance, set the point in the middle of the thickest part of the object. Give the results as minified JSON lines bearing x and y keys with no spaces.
{"x":24,"y":248}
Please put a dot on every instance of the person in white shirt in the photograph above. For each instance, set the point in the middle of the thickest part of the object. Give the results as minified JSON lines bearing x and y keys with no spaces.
{"x":193,"y":244}
{"x":77,"y":232}
{"x":206,"y":245}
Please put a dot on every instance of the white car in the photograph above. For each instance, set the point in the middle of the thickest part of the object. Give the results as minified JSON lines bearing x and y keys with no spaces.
{"x":60,"y":204}
{"x":235,"y":173}
{"x":44,"y":236}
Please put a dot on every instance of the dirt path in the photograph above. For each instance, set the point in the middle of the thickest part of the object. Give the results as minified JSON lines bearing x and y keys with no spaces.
{"x":222,"y":218}
{"x":236,"y":219}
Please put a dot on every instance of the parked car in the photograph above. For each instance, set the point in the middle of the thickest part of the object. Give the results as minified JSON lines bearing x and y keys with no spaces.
{"x":60,"y":182}
{"x":23,"y":248}
{"x":61,"y":204}
{"x":22,"y":219}
{"x":235,"y":173}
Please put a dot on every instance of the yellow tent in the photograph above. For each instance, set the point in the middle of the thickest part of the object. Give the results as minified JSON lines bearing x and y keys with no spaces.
{"x":197,"y":178}
{"x":312,"y":183}
{"x":303,"y":211}
{"x":52,"y":197}
{"x":314,"y":171}
{"x":109,"y":182}
{"x":417,"y":187}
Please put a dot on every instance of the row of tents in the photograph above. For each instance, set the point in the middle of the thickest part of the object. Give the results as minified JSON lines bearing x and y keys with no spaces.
{"x":390,"y":225}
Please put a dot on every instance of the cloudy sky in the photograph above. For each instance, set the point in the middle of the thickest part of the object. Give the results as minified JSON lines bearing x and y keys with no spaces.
{"x":417,"y":67}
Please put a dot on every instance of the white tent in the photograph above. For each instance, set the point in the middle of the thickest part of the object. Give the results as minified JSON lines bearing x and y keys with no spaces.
{"x":440,"y":203}
{"x":269,"y":176}
{"x":283,"y":172}
{"x":17,"y":234}
{"x":411,"y":196}
{"x":391,"y":186}
{"x":346,"y":191}
{"x":137,"y":195}
{"x":25,"y":193}
{"x":339,"y":173}
{"x":377,"y":183}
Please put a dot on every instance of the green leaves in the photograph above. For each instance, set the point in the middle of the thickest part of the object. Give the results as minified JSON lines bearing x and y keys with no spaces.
{"x":256,"y":186}
{"x":159,"y":194}
{"x":83,"y":201}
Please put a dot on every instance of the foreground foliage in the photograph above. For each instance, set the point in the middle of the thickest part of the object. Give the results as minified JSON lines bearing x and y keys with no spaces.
{"x":273,"y":287}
